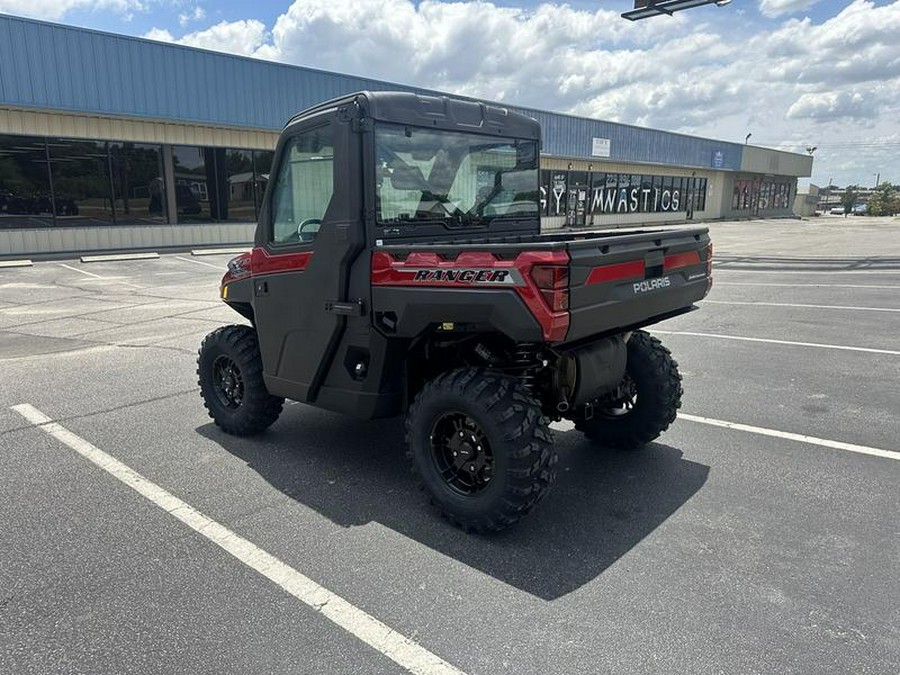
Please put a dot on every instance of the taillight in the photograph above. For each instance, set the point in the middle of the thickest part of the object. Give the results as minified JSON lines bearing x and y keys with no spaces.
{"x":238,"y":268}
{"x":553,"y":282}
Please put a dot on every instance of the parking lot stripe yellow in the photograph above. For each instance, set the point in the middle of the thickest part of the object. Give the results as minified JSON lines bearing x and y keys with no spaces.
{"x":800,"y":438}
{"x":818,"y":345}
{"x":399,"y":648}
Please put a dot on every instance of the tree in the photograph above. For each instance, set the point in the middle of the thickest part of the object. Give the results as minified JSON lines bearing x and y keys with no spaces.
{"x":884,"y":201}
{"x":848,"y":199}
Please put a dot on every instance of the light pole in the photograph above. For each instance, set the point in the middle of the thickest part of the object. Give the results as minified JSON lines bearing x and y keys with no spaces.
{"x":747,"y":138}
{"x":877,"y":178}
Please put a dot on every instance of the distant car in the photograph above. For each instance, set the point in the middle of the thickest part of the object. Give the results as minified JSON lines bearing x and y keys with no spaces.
{"x":187,"y":197}
{"x":837,"y":211}
{"x":860,"y":209}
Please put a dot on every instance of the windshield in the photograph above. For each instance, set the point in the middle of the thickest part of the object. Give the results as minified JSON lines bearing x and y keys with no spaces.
{"x":457,"y":179}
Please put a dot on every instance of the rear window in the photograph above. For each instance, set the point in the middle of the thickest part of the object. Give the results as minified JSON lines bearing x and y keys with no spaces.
{"x":454,"y":178}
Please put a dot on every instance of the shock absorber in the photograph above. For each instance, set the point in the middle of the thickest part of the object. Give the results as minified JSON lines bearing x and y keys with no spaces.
{"x":525,"y":364}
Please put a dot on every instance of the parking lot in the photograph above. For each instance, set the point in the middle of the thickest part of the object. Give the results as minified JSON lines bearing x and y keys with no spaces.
{"x":760,"y":534}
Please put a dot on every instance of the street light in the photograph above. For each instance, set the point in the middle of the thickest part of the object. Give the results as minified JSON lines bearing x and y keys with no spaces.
{"x":877,"y":178}
{"x":747,"y":138}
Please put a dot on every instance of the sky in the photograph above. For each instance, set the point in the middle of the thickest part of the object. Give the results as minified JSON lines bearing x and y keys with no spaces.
{"x":793,"y":73}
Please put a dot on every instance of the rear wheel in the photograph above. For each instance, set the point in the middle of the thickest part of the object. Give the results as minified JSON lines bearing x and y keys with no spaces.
{"x":481,"y":447}
{"x":646,"y":401}
{"x":229,"y":369}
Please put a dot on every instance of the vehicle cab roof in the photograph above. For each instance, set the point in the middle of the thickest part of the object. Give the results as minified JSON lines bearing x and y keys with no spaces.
{"x":441,"y":112}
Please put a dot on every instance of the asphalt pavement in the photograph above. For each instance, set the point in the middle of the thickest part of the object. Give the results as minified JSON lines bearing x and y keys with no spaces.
{"x":760,"y":534}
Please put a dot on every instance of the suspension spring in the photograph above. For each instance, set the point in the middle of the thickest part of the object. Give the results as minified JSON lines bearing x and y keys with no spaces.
{"x":525,"y":363}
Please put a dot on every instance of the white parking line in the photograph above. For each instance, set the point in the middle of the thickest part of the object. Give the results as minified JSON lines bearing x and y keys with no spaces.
{"x":566,"y":425}
{"x":87,"y":274}
{"x":800,"y":438}
{"x":788,"y":272}
{"x":759,"y":283}
{"x":847,"y":348}
{"x":400,"y":649}
{"x":802,"y":306}
{"x":201,"y":262}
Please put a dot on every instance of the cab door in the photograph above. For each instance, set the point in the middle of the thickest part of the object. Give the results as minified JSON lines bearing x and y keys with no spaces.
{"x":308,"y":239}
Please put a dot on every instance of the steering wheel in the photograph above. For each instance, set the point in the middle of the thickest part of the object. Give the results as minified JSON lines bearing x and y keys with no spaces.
{"x":308,"y":229}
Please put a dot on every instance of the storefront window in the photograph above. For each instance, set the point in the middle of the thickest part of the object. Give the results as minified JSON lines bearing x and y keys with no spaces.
{"x":193,"y":183}
{"x":71,"y":182}
{"x":139,"y":188}
{"x":82,"y":187}
{"x":544,"y":178}
{"x":25,"y":193}
{"x":262,"y":164}
{"x":241,"y":180}
{"x":746,"y":195}
{"x":699,"y":194}
{"x":558,"y":187}
{"x":656,"y":194}
{"x":577,"y":204}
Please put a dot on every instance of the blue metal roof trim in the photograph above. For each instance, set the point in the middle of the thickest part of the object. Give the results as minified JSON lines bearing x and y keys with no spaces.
{"x":50,"y":66}
{"x":45,"y":65}
{"x":569,"y":136}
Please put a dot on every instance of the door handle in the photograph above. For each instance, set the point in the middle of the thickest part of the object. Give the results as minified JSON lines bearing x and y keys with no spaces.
{"x":345,"y":308}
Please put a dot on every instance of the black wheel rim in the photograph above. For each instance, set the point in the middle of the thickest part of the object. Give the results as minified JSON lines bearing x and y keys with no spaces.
{"x":622,"y":401}
{"x":461,"y":453}
{"x":228,"y":382}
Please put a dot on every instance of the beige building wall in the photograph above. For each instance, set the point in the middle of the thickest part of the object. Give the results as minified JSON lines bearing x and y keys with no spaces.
{"x":777,"y":162}
{"x":73,"y":125}
{"x":77,"y":240}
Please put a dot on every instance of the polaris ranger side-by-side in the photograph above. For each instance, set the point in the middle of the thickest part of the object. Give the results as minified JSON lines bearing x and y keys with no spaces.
{"x":399,"y":268}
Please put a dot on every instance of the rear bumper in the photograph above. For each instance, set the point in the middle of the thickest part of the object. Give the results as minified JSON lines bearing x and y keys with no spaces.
{"x":627,"y":309}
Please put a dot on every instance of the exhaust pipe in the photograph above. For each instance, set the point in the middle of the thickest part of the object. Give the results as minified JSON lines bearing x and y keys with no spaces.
{"x":563,"y":403}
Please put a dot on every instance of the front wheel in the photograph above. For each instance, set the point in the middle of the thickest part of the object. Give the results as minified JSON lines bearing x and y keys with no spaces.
{"x":645,"y":402}
{"x":481,"y":447}
{"x":229,"y":369}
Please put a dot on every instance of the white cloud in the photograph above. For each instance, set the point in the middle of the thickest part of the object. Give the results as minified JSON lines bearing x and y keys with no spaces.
{"x":234,"y":37}
{"x":473,"y":48}
{"x":187,"y":17}
{"x":831,"y":105}
{"x":775,"y":8}
{"x":803,"y":82}
{"x":56,"y":9}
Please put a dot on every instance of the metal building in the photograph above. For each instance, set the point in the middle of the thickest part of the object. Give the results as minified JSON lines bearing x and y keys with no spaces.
{"x":111,"y":142}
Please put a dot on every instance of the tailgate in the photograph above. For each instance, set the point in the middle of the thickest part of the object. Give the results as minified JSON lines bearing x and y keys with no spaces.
{"x":635,"y":279}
